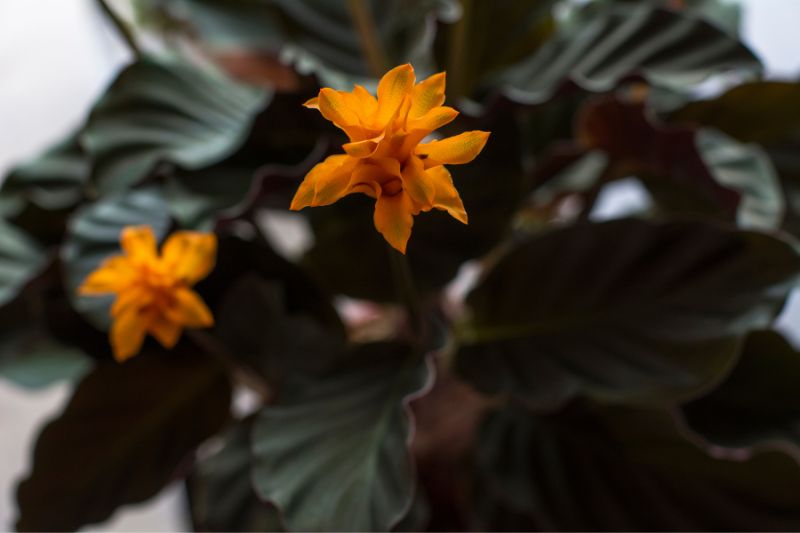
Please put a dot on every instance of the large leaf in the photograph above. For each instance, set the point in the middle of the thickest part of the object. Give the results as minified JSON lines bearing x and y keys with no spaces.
{"x":166,"y":112}
{"x":121,"y":438}
{"x":221,"y":495}
{"x":757,"y":403}
{"x":624,"y":470}
{"x":319,"y":35}
{"x":626,"y":310}
{"x":93,"y":235}
{"x":472,"y":50}
{"x":53,"y":181}
{"x":762,"y":112}
{"x":687,"y":170}
{"x":21,"y":259}
{"x":612,"y":41}
{"x":333,"y":454}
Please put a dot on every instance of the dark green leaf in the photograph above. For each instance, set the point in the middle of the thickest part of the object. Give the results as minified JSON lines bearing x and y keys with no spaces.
{"x":318,"y":35}
{"x":624,"y":470}
{"x":221,"y":496}
{"x":473,"y":50}
{"x":53,"y":181}
{"x":761,"y":112}
{"x":626,"y":310}
{"x":122,"y":437}
{"x":611,"y":41}
{"x":21,"y":259}
{"x":757,"y":403}
{"x":255,"y":325}
{"x":333,"y":454}
{"x":93,"y":235}
{"x":166,"y":112}
{"x":29,"y":356}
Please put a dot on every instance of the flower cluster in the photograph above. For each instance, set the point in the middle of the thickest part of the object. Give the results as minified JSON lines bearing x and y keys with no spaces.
{"x":153,"y":292}
{"x":385,"y":158}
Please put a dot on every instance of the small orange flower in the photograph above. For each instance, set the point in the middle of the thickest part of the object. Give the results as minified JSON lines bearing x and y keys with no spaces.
{"x":153,"y":292}
{"x":384,"y":158}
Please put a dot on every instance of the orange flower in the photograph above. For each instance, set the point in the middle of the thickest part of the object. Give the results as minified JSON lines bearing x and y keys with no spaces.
{"x":153,"y":292}
{"x":384,"y":158}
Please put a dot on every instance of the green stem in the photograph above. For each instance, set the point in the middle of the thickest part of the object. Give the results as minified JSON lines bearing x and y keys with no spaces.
{"x":122,"y":28}
{"x":407,"y":293}
{"x":365,"y":24}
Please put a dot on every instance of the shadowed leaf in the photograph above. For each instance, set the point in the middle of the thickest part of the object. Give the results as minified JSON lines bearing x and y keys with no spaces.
{"x":121,"y":438}
{"x":626,"y":310}
{"x":333,"y":454}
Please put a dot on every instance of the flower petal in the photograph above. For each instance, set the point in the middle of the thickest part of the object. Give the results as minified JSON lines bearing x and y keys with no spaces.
{"x":392,"y":91}
{"x":190,"y":255}
{"x":339,"y":108}
{"x":445,"y":196}
{"x":127,"y":334}
{"x":189,"y":310}
{"x":417,"y":183}
{"x":367,"y":103}
{"x":393,"y":219}
{"x":113,"y":275}
{"x":139,"y":243}
{"x":312,"y":103}
{"x":427,"y":95}
{"x":325,"y":183}
{"x":165,"y":331}
{"x":456,"y":150}
{"x":432,"y":120}
{"x":361,"y":149}
{"x":135,"y":297}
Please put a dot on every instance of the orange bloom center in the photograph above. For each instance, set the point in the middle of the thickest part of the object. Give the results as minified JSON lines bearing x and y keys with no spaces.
{"x":385,"y":158}
{"x":153,"y":292}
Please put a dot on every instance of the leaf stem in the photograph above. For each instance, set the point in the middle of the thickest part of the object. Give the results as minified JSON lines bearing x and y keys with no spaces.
{"x":365,"y":24}
{"x":122,"y":29}
{"x":407,"y":293}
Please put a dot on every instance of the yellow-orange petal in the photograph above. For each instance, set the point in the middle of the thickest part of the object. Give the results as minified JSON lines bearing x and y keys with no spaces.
{"x":432,"y":120}
{"x":325,"y":183}
{"x":133,"y":297}
{"x":337,"y":107}
{"x":189,"y":255}
{"x":417,"y":183}
{"x":189,"y":310}
{"x":427,"y":95}
{"x":367,"y":103}
{"x":455,"y":150}
{"x":445,"y":196}
{"x":127,"y":334}
{"x":394,"y":218}
{"x":312,"y":103}
{"x":113,"y":275}
{"x":392,"y":91}
{"x":165,"y":331}
{"x":139,"y":243}
{"x":362,"y":149}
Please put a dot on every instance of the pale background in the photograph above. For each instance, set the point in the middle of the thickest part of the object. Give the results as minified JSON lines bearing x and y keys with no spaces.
{"x":57,"y":55}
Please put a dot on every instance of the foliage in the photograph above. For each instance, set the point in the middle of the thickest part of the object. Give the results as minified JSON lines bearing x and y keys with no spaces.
{"x":539,"y":368}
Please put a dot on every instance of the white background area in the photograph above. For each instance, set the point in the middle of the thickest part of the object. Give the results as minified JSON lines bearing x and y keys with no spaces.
{"x":57,"y":55}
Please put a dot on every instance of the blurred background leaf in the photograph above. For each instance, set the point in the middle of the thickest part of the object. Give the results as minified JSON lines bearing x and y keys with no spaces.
{"x":122,"y":437}
{"x":627,"y":311}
